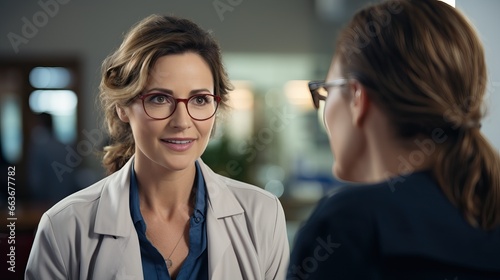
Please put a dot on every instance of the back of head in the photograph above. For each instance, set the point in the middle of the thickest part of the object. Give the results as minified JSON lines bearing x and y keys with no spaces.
{"x":424,"y":65}
{"x":125,"y":73}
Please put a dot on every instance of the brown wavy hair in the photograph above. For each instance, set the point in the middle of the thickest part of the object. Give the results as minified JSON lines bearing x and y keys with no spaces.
{"x":424,"y":64}
{"x":125,"y":73}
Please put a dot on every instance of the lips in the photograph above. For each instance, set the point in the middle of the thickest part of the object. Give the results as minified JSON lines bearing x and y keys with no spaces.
{"x":178,"y":141}
{"x":177,"y":144}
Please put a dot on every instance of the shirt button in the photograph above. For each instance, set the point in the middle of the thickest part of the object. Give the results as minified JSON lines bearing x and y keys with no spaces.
{"x":197,"y":219}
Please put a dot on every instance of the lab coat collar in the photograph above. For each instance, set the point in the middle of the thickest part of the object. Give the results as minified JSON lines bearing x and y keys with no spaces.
{"x":113,"y":212}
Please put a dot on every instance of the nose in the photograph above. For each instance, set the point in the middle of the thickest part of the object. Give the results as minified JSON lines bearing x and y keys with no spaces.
{"x":180,"y":118}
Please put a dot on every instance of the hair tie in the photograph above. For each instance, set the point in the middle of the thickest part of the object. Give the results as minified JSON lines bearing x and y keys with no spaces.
{"x":472,"y":125}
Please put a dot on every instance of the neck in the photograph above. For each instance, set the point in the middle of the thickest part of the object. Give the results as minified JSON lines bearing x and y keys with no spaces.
{"x":384,"y":155}
{"x":391,"y":159}
{"x":164,"y":193}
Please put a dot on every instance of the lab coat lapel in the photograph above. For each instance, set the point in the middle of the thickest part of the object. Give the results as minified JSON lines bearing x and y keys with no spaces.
{"x":118,"y":258}
{"x":119,"y":245}
{"x":221,"y":205}
{"x":220,"y":254}
{"x":113,"y":212}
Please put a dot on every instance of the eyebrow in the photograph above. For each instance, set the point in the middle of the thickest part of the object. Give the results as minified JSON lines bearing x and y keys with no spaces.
{"x":169,"y":91}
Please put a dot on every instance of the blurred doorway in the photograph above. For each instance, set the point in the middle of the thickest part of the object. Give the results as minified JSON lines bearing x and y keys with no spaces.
{"x":29,"y":89}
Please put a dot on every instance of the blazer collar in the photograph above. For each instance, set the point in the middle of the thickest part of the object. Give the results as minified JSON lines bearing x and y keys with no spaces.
{"x":221,"y":204}
{"x":221,"y":200}
{"x":113,"y":211}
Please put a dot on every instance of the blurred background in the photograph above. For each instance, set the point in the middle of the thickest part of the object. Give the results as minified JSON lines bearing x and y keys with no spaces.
{"x":51,"y":127}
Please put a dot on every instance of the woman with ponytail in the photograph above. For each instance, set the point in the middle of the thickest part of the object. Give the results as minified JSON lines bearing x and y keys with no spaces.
{"x":403,"y":108}
{"x":162,"y":213}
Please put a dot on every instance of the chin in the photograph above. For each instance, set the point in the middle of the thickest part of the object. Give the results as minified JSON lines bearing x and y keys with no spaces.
{"x":175,"y":162}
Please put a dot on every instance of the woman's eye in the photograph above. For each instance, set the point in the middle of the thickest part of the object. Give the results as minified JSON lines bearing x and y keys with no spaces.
{"x":201,"y":99}
{"x":159,"y":99}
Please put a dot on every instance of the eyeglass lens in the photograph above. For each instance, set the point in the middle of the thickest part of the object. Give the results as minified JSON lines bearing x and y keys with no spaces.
{"x":162,"y":106}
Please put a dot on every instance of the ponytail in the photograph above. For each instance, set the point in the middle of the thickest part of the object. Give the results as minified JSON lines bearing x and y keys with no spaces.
{"x":468,"y":172}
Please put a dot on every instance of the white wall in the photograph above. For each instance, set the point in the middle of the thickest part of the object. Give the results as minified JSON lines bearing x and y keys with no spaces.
{"x":485,"y":15}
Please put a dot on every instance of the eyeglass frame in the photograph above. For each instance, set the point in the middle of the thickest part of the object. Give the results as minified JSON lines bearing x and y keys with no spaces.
{"x":217,"y":99}
{"x":315,"y":85}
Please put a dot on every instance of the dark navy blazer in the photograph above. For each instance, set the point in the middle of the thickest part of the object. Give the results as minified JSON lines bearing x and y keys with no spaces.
{"x":404,"y":228}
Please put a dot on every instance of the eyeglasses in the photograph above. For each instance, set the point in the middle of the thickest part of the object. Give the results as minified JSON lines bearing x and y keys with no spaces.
{"x":160,"y":106}
{"x":319,"y":89}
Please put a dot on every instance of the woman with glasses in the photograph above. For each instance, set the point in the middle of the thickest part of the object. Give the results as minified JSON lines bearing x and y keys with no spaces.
{"x":403,"y":109}
{"x":162,"y":213}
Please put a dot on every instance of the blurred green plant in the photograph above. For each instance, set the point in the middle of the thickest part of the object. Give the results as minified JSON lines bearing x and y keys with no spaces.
{"x":225,"y":161}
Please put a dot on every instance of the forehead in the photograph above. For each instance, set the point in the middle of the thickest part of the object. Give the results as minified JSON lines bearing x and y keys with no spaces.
{"x":185,"y":65}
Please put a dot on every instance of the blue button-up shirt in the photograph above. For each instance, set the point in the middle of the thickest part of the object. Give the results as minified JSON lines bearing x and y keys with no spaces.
{"x":196,"y":264}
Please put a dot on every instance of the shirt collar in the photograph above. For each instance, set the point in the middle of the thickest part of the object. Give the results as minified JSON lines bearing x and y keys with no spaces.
{"x":135,"y":210}
{"x":200,"y":205}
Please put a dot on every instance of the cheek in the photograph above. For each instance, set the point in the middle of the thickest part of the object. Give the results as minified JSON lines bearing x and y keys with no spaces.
{"x":144,"y":128}
{"x":205,"y":128}
{"x":144,"y":131}
{"x":331,"y":116}
{"x":337,"y":125}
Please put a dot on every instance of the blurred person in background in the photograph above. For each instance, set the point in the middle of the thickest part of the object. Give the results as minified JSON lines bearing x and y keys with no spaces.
{"x":162,"y":213}
{"x":45,"y":185}
{"x":403,"y":109}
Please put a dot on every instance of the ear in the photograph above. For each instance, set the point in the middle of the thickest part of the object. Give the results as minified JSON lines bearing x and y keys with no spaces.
{"x":121,"y":114}
{"x":360,"y":103}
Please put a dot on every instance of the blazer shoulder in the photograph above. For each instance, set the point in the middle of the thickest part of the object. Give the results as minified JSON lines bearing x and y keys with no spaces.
{"x":239,"y":188}
{"x":79,"y":199}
